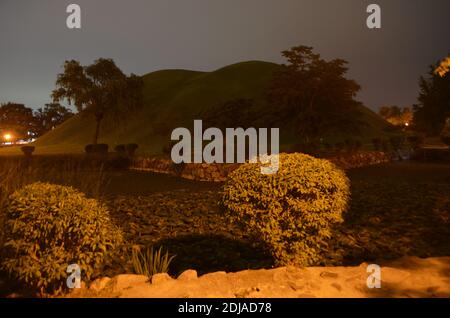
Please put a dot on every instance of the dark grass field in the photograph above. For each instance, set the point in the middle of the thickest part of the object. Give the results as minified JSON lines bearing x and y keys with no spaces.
{"x":396,"y":209}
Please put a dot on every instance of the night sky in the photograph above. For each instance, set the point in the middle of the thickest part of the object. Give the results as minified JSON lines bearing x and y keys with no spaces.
{"x":148,"y":35}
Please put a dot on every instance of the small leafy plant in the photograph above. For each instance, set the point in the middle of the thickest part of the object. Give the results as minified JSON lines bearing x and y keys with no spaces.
{"x":151,"y":261}
{"x":49,"y":227}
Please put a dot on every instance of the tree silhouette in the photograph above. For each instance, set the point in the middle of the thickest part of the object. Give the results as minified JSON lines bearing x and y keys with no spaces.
{"x":99,"y":89}
{"x":50,"y":116}
{"x":17,"y":119}
{"x":232,"y":113}
{"x":434,"y":100}
{"x":314,"y":92}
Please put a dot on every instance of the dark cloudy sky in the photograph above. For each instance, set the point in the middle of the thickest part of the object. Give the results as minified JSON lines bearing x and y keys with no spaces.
{"x":147,"y":35}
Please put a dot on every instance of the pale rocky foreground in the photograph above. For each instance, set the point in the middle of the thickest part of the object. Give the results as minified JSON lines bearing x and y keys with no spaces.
{"x":407,"y":277}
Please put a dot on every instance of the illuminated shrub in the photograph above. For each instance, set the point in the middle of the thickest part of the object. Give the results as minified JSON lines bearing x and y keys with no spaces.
{"x":293,"y":210}
{"x":50,"y":227}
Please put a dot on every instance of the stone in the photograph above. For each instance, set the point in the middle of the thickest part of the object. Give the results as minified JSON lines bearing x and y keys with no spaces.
{"x":337,"y":286}
{"x":328,"y":275}
{"x":295,"y":286}
{"x":100,"y":283}
{"x":215,"y":275}
{"x":187,"y":275}
{"x":127,"y":280}
{"x":306,"y":296}
{"x":160,"y":278}
{"x":347,"y":282}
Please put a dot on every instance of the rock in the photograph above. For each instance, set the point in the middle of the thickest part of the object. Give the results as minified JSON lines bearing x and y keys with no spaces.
{"x":100,"y":283}
{"x":337,"y":286}
{"x":295,"y":286}
{"x":127,"y":280}
{"x":161,"y":278}
{"x":187,"y":275}
{"x":286,"y":282}
{"x":328,"y":275}
{"x":432,"y":289}
{"x":306,"y":296}
{"x":213,"y":276}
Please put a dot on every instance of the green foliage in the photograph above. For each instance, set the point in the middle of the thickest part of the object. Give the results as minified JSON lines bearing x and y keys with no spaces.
{"x":301,"y":91}
{"x":131,"y":149}
{"x":396,"y":116}
{"x":151,"y":262}
{"x":15,"y":173}
{"x":293,"y":210}
{"x":445,"y":133}
{"x":434,"y":98}
{"x":49,"y":227}
{"x":121,"y":150}
{"x":396,"y":142}
{"x":99,"y":89}
{"x":415,"y":141}
{"x":376,"y":142}
{"x":50,"y":116}
{"x":232,"y":113}
{"x":16,"y":119}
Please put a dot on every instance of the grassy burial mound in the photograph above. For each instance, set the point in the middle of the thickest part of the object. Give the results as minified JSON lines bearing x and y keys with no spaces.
{"x":174,"y":98}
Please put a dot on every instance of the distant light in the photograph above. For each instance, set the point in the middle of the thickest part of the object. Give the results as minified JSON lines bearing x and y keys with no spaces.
{"x":406,"y":124}
{"x":7,"y":137}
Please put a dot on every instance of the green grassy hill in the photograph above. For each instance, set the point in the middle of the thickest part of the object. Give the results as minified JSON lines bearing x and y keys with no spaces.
{"x":174,"y":98}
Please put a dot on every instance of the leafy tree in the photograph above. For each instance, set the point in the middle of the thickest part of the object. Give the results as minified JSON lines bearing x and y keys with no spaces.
{"x":99,"y":90}
{"x":17,"y":119}
{"x":232,"y":113}
{"x":445,"y":133}
{"x":50,"y":116}
{"x":315,"y":93}
{"x":396,"y":116}
{"x":434,"y":100}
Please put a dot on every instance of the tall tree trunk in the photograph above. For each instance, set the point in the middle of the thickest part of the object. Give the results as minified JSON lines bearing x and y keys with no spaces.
{"x":98,"y":120}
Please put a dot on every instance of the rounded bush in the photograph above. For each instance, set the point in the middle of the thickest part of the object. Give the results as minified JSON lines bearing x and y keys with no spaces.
{"x":445,"y":134}
{"x":27,"y":150}
{"x":50,"y":227}
{"x":120,"y":149}
{"x":293,"y":210}
{"x":96,"y":149}
{"x":131,"y":149}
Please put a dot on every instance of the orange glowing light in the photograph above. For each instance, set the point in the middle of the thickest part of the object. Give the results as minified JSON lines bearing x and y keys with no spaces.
{"x":7,"y":137}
